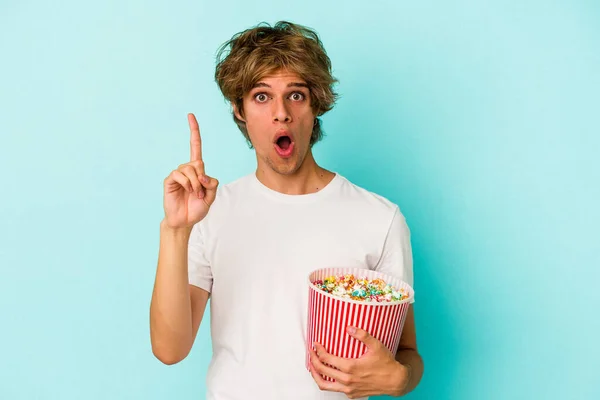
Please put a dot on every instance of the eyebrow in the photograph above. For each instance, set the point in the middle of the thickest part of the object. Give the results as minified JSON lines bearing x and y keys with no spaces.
{"x":291,"y":84}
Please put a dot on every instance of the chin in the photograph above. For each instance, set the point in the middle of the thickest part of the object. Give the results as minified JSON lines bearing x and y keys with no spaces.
{"x":287,"y":167}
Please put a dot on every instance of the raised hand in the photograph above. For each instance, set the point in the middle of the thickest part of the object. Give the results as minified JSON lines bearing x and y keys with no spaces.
{"x":188,"y":191}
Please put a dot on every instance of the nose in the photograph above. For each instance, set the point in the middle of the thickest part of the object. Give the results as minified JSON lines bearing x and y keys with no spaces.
{"x":281,"y":112}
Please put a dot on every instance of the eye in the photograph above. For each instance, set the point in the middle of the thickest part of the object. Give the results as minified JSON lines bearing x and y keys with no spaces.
{"x":261,"y":97}
{"x":297,"y":96}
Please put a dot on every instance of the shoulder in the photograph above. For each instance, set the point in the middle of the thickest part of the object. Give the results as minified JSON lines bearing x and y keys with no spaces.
{"x":228,"y":197}
{"x":370,"y":204}
{"x":230,"y":193}
{"x":234,"y":187}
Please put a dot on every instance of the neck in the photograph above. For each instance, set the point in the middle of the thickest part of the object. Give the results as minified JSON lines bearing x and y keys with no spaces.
{"x":309,"y":178}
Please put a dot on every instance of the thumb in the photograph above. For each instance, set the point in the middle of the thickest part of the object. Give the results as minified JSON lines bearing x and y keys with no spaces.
{"x":363,"y":336}
{"x":211,"y":189}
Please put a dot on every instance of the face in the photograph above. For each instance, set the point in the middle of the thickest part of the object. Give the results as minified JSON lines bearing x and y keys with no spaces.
{"x":279,"y":120}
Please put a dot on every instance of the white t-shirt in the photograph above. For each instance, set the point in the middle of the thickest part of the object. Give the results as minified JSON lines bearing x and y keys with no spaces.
{"x":254,"y":252}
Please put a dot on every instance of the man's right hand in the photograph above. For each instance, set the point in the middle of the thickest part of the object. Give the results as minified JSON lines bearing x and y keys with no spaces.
{"x":188,"y":191}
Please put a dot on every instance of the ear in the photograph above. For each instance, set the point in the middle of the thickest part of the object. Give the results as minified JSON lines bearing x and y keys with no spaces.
{"x":236,"y":112}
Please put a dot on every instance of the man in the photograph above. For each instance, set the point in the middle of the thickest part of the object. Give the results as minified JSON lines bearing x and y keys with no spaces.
{"x":250,"y":245}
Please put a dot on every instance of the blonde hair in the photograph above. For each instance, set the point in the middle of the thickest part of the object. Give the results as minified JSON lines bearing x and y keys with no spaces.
{"x":259,"y":51}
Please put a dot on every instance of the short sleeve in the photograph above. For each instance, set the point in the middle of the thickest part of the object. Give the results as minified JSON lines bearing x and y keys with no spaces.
{"x":396,"y":258}
{"x":199,"y":272}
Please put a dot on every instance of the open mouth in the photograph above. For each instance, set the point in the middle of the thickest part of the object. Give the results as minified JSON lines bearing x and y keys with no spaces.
{"x":284,"y":142}
{"x":284,"y":146}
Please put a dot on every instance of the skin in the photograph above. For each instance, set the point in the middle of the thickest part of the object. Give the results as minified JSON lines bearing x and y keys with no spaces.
{"x":177,"y":308}
{"x":280,"y":101}
{"x":276,"y":103}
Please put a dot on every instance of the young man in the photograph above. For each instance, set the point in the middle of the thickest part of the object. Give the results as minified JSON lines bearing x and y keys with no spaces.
{"x":250,"y":245}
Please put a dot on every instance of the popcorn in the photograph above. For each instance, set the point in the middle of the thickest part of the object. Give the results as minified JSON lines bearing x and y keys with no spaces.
{"x":351,"y":287}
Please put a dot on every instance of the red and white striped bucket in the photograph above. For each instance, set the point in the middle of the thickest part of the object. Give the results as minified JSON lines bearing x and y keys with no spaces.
{"x":329,"y":316}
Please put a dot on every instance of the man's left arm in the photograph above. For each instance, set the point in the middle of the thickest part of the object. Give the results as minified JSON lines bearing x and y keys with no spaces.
{"x":408,"y":355}
{"x":397,"y":259}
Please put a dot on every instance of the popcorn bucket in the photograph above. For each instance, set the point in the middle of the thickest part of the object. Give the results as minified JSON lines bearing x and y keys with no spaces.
{"x":329,"y":315}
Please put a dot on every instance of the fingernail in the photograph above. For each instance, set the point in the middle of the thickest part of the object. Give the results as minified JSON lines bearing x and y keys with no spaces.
{"x":204,"y":178}
{"x":351,"y":330}
{"x":201,"y":194}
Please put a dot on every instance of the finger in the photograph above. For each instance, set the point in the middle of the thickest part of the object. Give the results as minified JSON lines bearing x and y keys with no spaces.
{"x":363,"y":336}
{"x":326,"y":385}
{"x":195,"y":140}
{"x":180,"y":179}
{"x":190,"y":173}
{"x":341,"y":377}
{"x":343,"y":364}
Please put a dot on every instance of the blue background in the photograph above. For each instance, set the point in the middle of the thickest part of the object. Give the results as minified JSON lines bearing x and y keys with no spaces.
{"x":479,"y":118}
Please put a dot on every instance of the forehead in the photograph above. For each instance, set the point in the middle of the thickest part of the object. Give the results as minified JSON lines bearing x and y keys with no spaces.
{"x":280,"y":78}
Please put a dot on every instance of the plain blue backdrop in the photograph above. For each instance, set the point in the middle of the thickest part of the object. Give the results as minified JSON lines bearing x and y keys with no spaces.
{"x":479,"y":118}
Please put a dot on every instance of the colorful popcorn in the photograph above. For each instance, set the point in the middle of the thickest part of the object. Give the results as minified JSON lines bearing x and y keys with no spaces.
{"x":350,"y":287}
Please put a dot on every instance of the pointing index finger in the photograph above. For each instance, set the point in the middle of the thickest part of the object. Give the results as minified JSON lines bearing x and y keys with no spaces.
{"x":195,"y":141}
